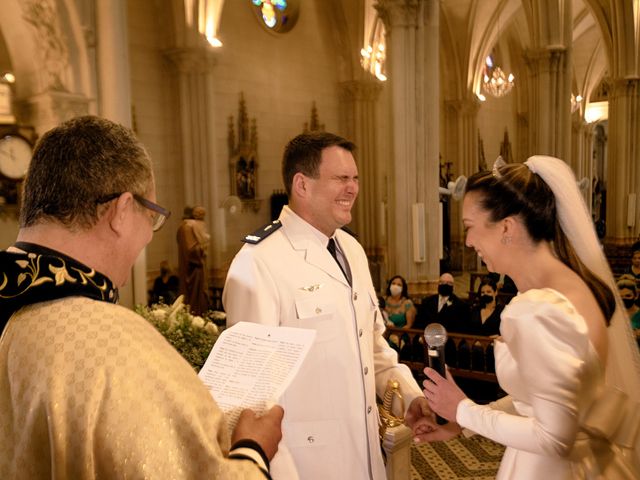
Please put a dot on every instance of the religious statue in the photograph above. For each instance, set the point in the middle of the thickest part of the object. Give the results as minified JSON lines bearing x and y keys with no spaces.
{"x":193,"y":244}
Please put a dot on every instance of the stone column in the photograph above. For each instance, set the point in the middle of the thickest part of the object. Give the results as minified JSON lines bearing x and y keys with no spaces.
{"x":550,"y":101}
{"x":462,"y":140}
{"x":359,"y":110}
{"x":114,"y":103}
{"x":461,"y":148}
{"x":195,"y":67}
{"x":581,"y":157}
{"x":623,"y":172}
{"x":412,"y":28}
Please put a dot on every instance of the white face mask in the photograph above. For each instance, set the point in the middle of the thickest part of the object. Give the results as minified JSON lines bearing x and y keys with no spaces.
{"x":395,"y":290}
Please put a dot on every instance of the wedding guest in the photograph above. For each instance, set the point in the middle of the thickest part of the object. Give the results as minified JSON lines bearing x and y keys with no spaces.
{"x":445,"y":308}
{"x":165,"y":286}
{"x":629,"y":294}
{"x":485,"y":315}
{"x":401,"y":313}
{"x":89,"y":389}
{"x":398,"y":305}
{"x":304,"y":270}
{"x":634,"y":268}
{"x":563,"y":418}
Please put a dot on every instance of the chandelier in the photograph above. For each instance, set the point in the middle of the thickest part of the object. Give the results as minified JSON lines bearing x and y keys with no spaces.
{"x":575,"y":102}
{"x":373,"y":55}
{"x":496,"y":82}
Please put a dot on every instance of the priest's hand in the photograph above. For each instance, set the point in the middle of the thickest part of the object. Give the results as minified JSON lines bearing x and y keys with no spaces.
{"x":264,"y":429}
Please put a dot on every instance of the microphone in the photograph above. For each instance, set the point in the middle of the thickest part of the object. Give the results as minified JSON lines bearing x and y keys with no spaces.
{"x":436,"y":337}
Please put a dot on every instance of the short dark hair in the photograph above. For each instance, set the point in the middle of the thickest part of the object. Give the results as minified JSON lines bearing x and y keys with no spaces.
{"x":76,"y":164}
{"x":514,"y":190}
{"x":304,"y":152}
{"x":635,"y":248}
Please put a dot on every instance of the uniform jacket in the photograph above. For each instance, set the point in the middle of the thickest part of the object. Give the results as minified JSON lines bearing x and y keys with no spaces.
{"x":330,"y":426}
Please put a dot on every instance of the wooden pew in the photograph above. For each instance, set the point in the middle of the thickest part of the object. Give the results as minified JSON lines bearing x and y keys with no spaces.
{"x":467,"y":356}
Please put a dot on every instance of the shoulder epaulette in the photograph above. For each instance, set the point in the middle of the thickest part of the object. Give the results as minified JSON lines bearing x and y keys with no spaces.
{"x":262,"y":233}
{"x":349,"y":231}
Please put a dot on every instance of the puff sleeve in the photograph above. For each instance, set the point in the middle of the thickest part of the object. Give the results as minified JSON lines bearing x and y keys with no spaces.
{"x":548,"y":344}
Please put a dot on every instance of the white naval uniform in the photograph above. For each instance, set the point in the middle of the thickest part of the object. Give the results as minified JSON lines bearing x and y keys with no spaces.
{"x":330,"y":425}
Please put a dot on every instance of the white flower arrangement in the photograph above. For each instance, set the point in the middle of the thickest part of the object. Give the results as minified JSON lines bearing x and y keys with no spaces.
{"x":191,"y":335}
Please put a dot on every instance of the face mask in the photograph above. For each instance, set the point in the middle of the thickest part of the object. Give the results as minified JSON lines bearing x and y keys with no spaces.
{"x":445,"y":290}
{"x":628,"y":302}
{"x":395,"y":290}
{"x":486,"y":299}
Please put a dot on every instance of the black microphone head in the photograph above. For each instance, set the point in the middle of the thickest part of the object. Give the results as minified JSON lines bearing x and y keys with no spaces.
{"x":435,"y":335}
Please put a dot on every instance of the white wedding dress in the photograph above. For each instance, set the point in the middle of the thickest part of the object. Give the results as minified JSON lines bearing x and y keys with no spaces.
{"x":559,"y":420}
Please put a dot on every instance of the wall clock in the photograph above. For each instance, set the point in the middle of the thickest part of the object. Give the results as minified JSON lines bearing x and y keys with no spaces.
{"x":15,"y":156}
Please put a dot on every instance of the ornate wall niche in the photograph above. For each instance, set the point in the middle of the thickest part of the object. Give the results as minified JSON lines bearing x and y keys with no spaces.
{"x":44,"y":18}
{"x":243,"y":159}
{"x":505,"y":148}
{"x":314,"y":124}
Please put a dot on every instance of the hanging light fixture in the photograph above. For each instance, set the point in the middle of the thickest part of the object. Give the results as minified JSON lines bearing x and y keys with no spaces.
{"x":373,"y":55}
{"x":495,"y":81}
{"x":575,"y":102}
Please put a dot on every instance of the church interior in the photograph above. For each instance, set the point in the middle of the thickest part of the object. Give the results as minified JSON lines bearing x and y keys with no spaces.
{"x":430,"y":91}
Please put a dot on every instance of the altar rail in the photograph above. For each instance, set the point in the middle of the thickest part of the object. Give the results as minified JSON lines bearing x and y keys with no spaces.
{"x":467,"y":356}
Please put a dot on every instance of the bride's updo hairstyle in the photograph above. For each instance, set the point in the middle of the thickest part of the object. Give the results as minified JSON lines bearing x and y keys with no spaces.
{"x":514,"y":190}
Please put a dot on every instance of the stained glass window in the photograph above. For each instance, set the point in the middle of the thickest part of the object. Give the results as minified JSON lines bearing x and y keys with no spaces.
{"x":276,"y":15}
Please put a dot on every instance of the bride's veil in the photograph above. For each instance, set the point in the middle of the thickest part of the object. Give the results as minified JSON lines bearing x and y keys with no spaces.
{"x":623,"y":362}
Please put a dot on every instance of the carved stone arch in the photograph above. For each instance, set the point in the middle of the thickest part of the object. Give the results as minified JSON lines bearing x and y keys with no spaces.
{"x":452,"y":67}
{"x":80,"y":41}
{"x":600,"y":12}
{"x":47,"y":46}
{"x":180,"y":27}
{"x":22,"y":46}
{"x":345,"y":38}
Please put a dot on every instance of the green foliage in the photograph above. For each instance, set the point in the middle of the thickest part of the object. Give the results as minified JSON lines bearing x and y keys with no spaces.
{"x":191,"y":335}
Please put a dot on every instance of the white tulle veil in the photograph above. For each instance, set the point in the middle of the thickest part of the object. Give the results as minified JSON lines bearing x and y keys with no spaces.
{"x":623,"y":362}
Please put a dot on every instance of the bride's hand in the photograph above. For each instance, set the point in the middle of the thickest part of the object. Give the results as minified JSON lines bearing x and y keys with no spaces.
{"x":443,"y":395}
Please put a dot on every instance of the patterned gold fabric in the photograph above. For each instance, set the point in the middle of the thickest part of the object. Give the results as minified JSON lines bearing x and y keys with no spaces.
{"x":31,"y":273}
{"x":89,"y":390}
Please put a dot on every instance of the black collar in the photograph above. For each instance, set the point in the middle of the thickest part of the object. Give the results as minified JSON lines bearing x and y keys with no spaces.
{"x":39,"y":274}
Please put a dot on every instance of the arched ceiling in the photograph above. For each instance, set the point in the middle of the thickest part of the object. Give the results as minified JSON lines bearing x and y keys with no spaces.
{"x":471,"y":29}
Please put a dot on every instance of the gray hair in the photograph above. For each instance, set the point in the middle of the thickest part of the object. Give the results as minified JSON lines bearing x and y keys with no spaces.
{"x":78,"y":163}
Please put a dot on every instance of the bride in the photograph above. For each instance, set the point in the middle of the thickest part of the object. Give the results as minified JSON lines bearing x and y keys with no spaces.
{"x":566,"y":356}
